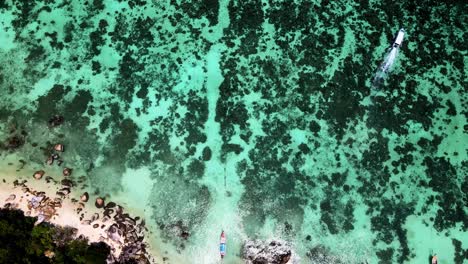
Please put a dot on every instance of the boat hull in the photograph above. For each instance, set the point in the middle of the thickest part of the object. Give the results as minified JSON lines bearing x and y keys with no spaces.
{"x":222,"y":245}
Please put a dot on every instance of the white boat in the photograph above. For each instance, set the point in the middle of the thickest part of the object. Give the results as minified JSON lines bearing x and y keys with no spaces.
{"x":222,"y":245}
{"x":399,"y":38}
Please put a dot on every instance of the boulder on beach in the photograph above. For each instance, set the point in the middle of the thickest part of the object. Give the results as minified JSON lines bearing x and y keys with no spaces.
{"x":40,"y":219}
{"x":65,"y":190}
{"x":49,"y":179}
{"x":110,"y":205}
{"x":38,"y":174}
{"x":66,"y":182}
{"x":84,"y":197}
{"x":273,"y":252}
{"x":95,"y":217}
{"x":119,"y":209}
{"x":10,"y":198}
{"x":99,"y":202}
{"x":108,"y":212}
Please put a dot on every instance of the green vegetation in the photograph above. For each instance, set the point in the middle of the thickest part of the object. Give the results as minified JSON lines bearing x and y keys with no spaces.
{"x":22,"y":242}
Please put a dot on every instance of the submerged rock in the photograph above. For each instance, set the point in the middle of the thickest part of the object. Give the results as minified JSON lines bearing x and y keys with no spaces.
{"x":55,"y":121}
{"x":50,"y":160}
{"x":14,"y":142}
{"x":67,"y":172}
{"x":263,"y":252}
{"x":320,"y":254}
{"x":58,"y":147}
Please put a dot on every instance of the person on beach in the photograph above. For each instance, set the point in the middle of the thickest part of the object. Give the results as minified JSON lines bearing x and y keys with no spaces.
{"x":434,"y":259}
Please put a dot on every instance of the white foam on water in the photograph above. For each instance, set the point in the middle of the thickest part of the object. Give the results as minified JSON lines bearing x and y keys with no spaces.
{"x":389,"y":60}
{"x":385,"y":67}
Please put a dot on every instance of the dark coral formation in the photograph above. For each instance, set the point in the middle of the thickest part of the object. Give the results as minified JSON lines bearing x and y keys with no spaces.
{"x":320,"y":254}
{"x":451,"y":201}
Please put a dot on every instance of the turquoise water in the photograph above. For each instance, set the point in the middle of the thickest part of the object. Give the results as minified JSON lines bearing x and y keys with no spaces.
{"x":256,"y":117}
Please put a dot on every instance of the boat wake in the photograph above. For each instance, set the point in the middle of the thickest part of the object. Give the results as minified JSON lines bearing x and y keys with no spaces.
{"x":389,"y":60}
{"x":385,"y":68}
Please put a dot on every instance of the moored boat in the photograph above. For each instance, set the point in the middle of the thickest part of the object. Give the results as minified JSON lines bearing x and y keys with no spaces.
{"x":399,"y":38}
{"x":222,"y":244}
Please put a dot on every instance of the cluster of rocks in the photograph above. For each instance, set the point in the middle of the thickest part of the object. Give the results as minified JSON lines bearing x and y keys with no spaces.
{"x":125,"y":231}
{"x":44,"y":206}
{"x":54,"y":156}
{"x":267,"y":252}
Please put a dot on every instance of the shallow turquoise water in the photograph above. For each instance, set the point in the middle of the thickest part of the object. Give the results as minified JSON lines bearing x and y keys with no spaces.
{"x":256,"y":117}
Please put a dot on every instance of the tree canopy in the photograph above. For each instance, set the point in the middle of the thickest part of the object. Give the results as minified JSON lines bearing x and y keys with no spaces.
{"x":22,"y":242}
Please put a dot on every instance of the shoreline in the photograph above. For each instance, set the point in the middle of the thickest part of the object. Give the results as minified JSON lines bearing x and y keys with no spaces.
{"x":111,"y":224}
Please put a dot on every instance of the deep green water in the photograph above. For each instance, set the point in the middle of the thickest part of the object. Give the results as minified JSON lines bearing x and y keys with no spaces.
{"x":256,"y":117}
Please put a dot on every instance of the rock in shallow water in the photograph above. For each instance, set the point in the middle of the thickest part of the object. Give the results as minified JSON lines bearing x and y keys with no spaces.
{"x":58,"y":147}
{"x":99,"y":202}
{"x":50,"y":161}
{"x":67,"y":172}
{"x":263,"y":252}
{"x":110,"y":205}
{"x":38,"y":174}
{"x":84,"y":197}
